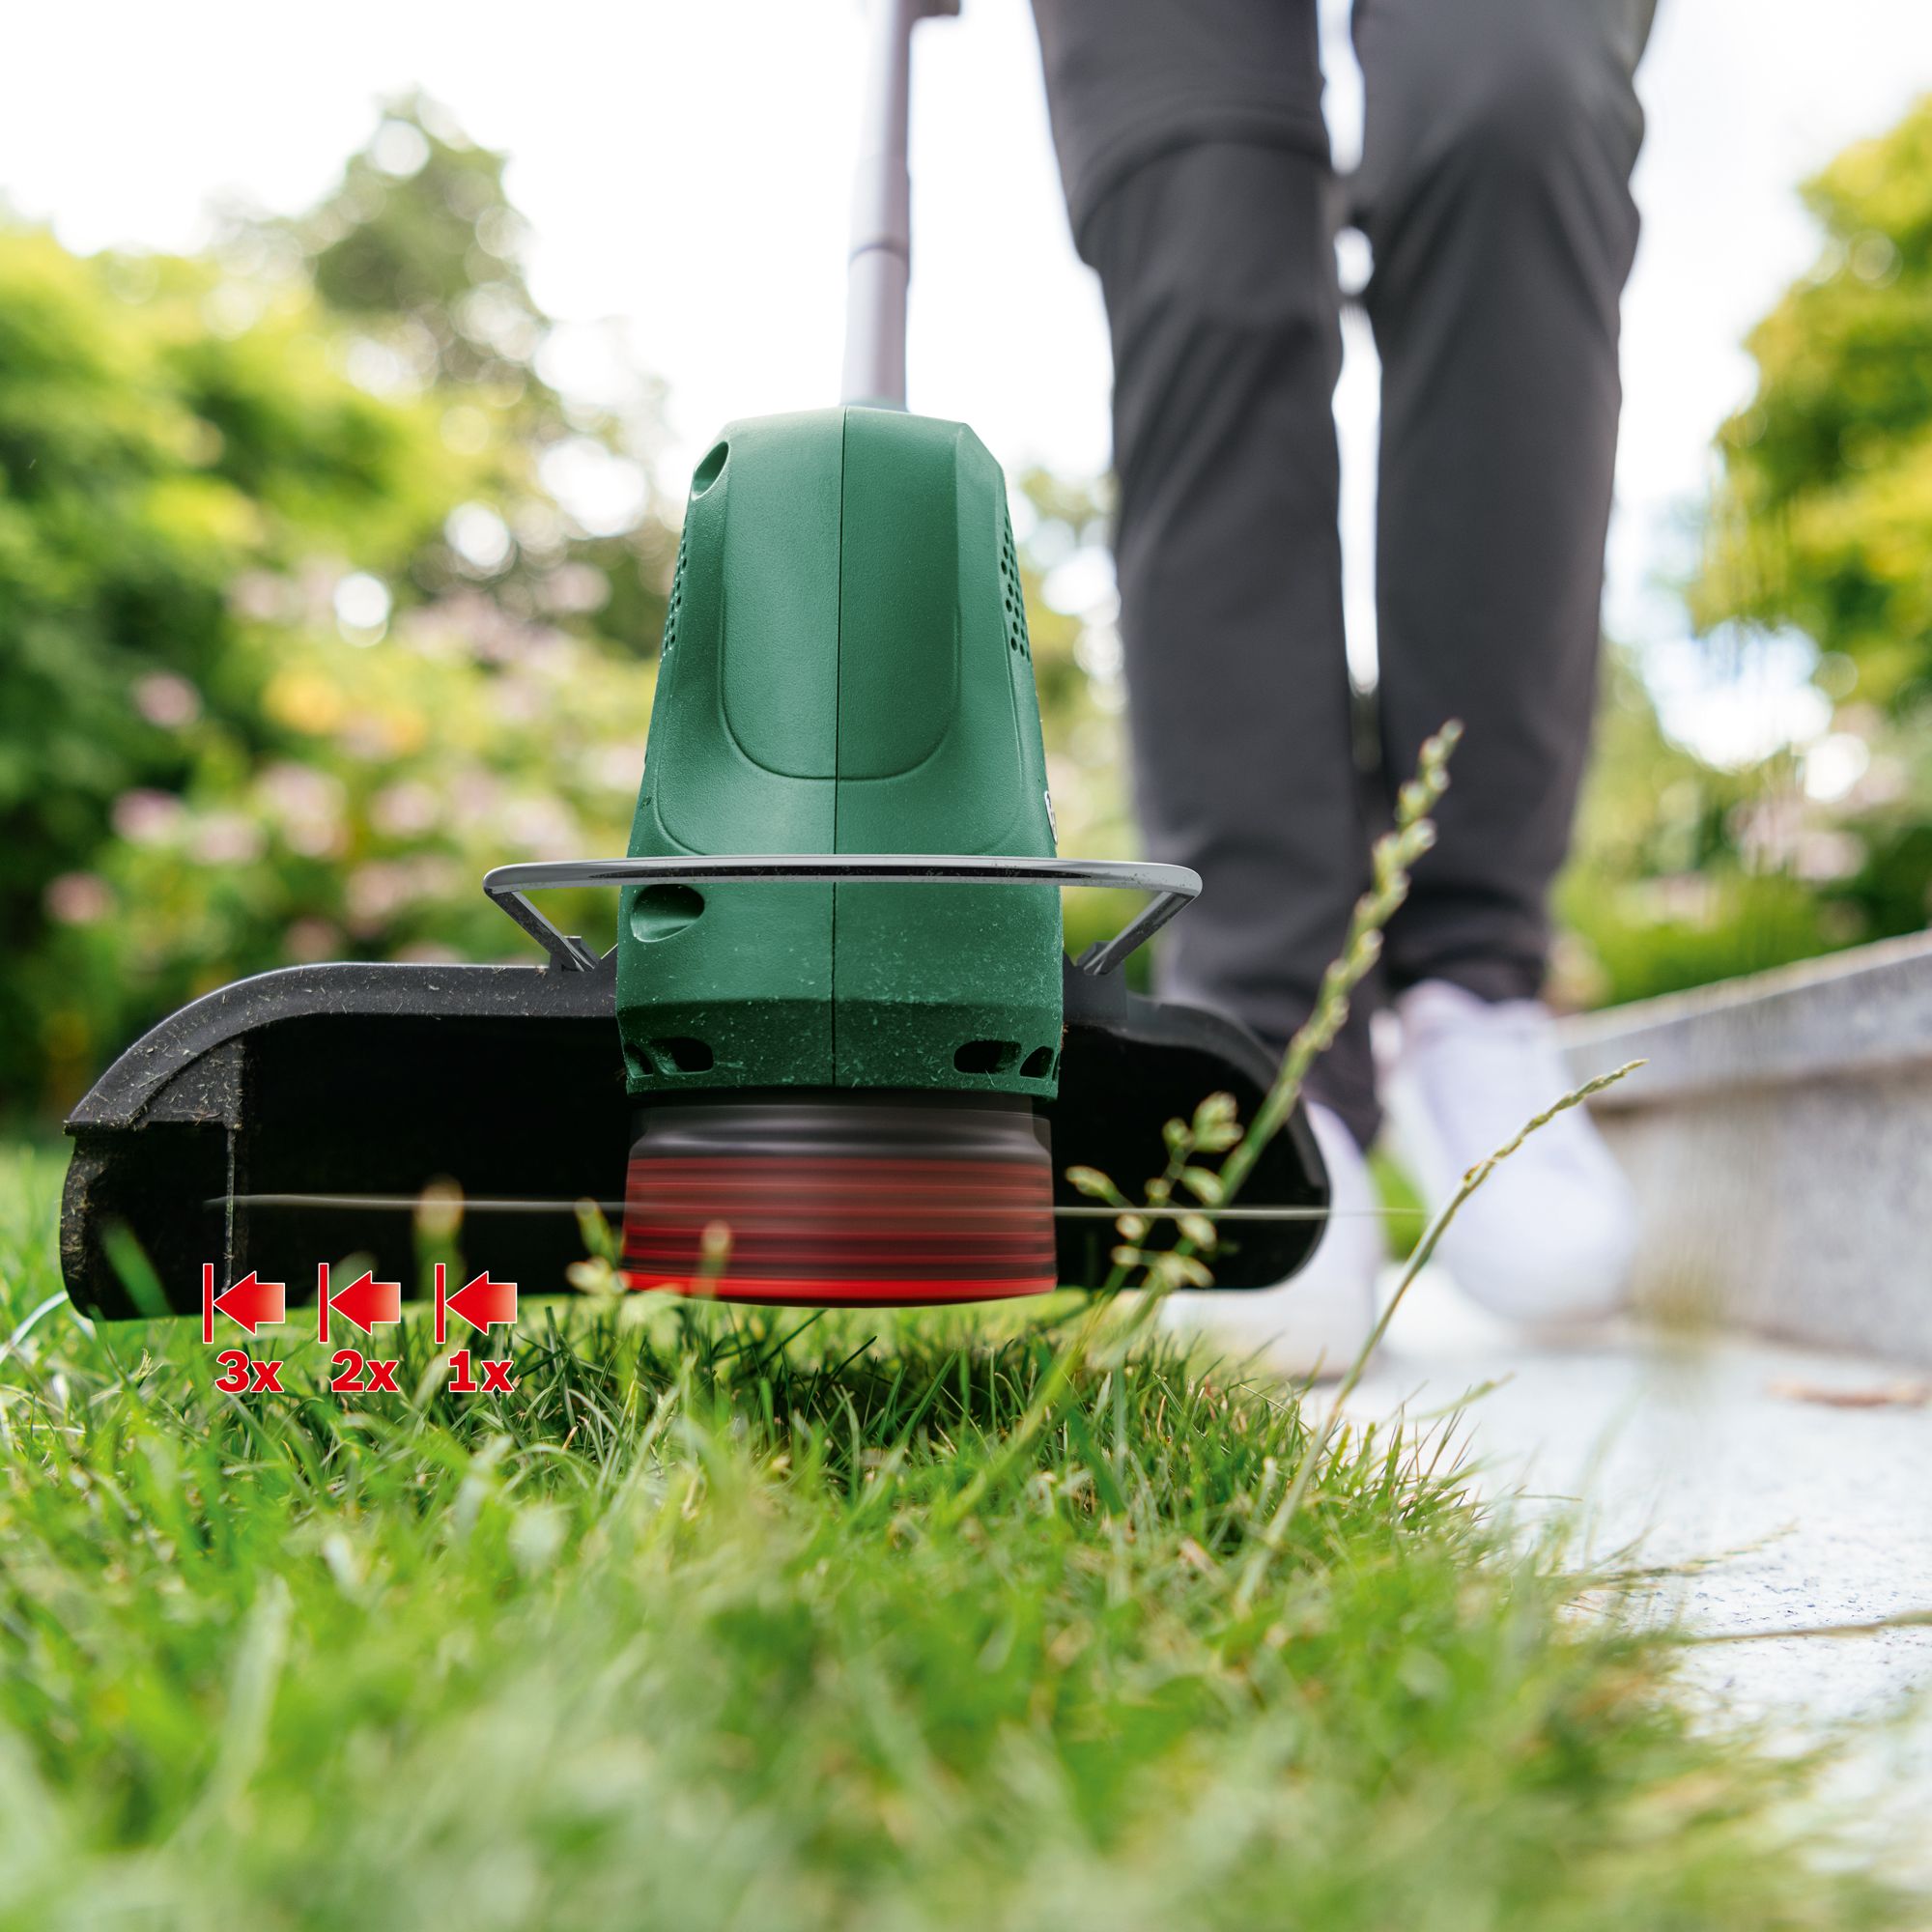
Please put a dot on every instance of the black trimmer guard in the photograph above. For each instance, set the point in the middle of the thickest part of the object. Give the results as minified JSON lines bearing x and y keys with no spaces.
{"x":295,"y":1116}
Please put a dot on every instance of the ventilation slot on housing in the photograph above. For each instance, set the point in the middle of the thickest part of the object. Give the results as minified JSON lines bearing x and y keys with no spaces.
{"x":1037,"y":1065}
{"x":676,"y":603}
{"x":986,"y":1056}
{"x":683,"y":1055}
{"x":663,"y":912}
{"x":1011,"y":593}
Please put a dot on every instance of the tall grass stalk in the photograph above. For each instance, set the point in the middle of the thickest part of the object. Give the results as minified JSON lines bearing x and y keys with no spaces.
{"x":1160,"y":1271}
{"x":1424,"y":1248}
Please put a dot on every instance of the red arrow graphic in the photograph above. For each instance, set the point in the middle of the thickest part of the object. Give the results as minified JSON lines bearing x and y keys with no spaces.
{"x":365,"y":1301}
{"x":254,"y":1304}
{"x":368,"y":1302}
{"x":482,"y":1302}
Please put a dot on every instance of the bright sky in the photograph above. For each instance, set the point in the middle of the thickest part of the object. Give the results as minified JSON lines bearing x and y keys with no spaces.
{"x":685,"y":168}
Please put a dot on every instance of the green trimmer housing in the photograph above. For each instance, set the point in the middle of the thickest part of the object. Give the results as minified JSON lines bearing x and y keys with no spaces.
{"x":846,"y":670}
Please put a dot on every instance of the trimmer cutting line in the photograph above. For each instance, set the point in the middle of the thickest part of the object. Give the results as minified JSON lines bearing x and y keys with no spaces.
{"x":609,"y":1209}
{"x":838,"y":1022}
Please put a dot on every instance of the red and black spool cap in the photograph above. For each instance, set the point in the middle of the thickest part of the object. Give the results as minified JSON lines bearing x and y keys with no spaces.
{"x":867,"y":1199}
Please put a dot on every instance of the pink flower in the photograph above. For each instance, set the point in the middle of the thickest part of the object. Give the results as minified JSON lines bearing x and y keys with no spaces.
{"x":144,"y":817}
{"x":311,"y":938}
{"x":78,"y":899}
{"x":162,"y":699}
{"x":473,"y":791}
{"x":262,"y":596}
{"x":316,"y":838}
{"x":375,"y":891}
{"x":298,"y":791}
{"x":308,"y":807}
{"x":542,"y":828}
{"x":405,"y":808}
{"x":226,"y":838}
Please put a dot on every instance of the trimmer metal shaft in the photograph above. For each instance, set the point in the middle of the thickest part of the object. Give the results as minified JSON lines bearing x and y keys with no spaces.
{"x":880,"y":265}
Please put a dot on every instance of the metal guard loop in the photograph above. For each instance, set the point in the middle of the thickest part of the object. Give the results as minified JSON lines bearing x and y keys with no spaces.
{"x":1173,"y":887}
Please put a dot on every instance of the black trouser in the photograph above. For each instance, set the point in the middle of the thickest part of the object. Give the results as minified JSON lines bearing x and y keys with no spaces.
{"x":1494,"y":190}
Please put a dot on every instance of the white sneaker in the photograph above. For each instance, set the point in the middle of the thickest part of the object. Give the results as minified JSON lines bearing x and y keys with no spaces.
{"x":1550,"y":1235}
{"x":1316,"y":1322}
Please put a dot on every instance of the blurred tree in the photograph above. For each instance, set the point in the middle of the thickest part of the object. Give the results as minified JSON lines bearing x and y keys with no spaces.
{"x":419,"y":252}
{"x":1824,"y":519}
{"x":1823,"y":522}
{"x":1681,"y":873}
{"x":419,"y":241}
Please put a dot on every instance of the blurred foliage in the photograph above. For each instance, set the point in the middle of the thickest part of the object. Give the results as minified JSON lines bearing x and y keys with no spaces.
{"x":297,"y":632}
{"x":1820,"y":530}
{"x":1824,"y":519}
{"x":419,"y":251}
{"x":1682,"y":872}
{"x":1818,"y":539}
{"x":1061,"y":531}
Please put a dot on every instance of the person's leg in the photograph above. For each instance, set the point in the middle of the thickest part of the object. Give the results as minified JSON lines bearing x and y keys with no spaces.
{"x":1128,"y":80}
{"x":1218,"y":273}
{"x":1195,"y":168}
{"x":1197,"y":178}
{"x":1494,"y":190}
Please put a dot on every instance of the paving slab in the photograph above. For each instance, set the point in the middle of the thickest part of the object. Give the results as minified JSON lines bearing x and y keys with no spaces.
{"x":1733,"y":1462}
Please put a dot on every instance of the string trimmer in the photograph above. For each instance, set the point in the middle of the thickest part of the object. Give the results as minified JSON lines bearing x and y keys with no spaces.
{"x":837,"y":1033}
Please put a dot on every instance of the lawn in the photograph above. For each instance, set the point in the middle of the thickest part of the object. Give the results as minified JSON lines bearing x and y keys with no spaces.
{"x":892,"y":1623}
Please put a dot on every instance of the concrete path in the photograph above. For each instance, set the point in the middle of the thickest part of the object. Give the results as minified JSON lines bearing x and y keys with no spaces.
{"x":1721,"y":1455}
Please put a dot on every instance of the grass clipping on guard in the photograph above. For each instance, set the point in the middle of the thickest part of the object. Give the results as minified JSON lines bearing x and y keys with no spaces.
{"x":733,"y":1619}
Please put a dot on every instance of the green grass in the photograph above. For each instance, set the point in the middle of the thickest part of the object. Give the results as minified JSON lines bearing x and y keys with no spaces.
{"x":695,"y":1629}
